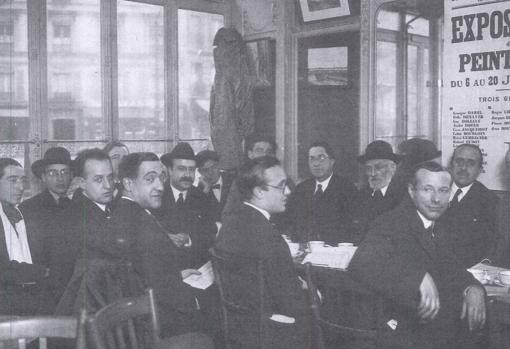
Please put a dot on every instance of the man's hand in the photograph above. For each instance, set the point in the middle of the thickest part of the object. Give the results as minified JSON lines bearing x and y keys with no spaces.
{"x":180,"y":239}
{"x":429,"y":299}
{"x":187,"y":272}
{"x":473,"y":307}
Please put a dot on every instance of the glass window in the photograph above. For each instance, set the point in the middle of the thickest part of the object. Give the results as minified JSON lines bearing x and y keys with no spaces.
{"x":74,"y":71}
{"x":141,"y":71}
{"x":196,"y":71}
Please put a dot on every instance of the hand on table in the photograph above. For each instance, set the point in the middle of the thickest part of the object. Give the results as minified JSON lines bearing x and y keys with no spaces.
{"x":180,"y":239}
{"x":473,"y":307}
{"x":429,"y":299}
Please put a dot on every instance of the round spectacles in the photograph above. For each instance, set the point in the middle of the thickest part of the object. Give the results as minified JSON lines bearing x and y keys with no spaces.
{"x":54,"y":173}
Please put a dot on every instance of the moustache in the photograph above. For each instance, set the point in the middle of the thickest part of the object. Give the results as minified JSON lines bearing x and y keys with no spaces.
{"x":186,"y":179}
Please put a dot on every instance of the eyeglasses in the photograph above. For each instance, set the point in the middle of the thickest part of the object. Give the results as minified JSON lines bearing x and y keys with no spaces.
{"x":280,"y":187}
{"x":54,"y":173}
{"x":319,"y":158}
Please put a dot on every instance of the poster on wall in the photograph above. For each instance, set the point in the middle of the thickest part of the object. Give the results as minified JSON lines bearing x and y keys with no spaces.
{"x":476,"y":78}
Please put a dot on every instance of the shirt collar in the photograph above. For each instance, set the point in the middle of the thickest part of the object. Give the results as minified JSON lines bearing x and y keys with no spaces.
{"x":324,"y":183}
{"x":426,"y":222}
{"x":101,"y":206}
{"x":219,"y":181}
{"x":261,"y":210}
{"x":176,"y":193}
{"x":382,"y":190}
{"x":464,"y":190}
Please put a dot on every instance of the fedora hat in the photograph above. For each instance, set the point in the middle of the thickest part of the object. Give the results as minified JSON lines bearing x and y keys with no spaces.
{"x":379,"y":150}
{"x":181,"y":151}
{"x":57,"y":155}
{"x":418,"y":150}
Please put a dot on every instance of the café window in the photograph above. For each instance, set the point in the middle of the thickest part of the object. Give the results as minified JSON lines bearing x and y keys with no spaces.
{"x":6,"y":86}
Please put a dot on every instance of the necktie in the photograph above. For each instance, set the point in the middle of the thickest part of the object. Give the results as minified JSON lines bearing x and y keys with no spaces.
{"x":216,"y":186}
{"x":63,"y":202}
{"x":377,"y":195}
{"x":180,"y":201}
{"x":108,"y":211}
{"x":318,"y":193}
{"x":13,"y":215}
{"x":455,"y":199}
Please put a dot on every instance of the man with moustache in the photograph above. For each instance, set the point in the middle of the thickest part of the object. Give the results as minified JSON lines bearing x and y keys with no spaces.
{"x":23,"y":267}
{"x":84,"y":219}
{"x":248,"y":232}
{"x":321,"y":207}
{"x":54,"y":170}
{"x":427,"y":291}
{"x":472,"y":214}
{"x":185,"y":212}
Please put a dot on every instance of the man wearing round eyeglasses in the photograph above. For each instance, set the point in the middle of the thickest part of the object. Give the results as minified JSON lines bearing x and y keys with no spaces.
{"x":321,"y":207}
{"x":54,"y":170}
{"x":472,"y":213}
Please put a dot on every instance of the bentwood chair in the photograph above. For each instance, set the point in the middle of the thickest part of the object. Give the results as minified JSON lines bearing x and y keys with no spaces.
{"x":229,"y":271}
{"x":132,"y":323}
{"x":25,"y":330}
{"x":364,"y":337}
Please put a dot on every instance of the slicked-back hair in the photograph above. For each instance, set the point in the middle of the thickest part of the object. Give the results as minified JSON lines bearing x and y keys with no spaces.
{"x":114,"y":144}
{"x":129,"y":165}
{"x":326,"y":146}
{"x":252,"y":139}
{"x":251,"y":174}
{"x":84,"y":156}
{"x":426,"y":165}
{"x":471,"y":146}
{"x":4,"y":162}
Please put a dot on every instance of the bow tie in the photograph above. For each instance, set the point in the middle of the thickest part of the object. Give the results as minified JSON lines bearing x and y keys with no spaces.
{"x":12,"y":213}
{"x":216,"y":186}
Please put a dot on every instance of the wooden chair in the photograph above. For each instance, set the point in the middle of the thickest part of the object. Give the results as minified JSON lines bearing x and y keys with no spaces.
{"x":227,"y":273}
{"x":27,"y":329}
{"x":123,"y":324}
{"x":321,"y":325}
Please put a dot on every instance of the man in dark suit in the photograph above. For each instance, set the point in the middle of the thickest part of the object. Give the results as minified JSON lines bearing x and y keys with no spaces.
{"x":23,"y":266}
{"x":213,"y":182}
{"x":321,"y":207}
{"x":54,"y":170}
{"x":382,"y":193}
{"x":472,"y":216}
{"x":427,"y":291}
{"x":247,"y":232}
{"x":185,"y":211}
{"x":83,"y":220}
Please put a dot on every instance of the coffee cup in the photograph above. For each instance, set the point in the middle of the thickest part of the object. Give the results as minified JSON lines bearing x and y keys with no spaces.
{"x":315,"y":245}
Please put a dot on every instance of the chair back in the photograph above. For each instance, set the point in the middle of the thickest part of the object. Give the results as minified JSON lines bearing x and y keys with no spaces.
{"x":352,"y":296}
{"x":230,"y":271}
{"x":123,"y":324}
{"x":19,"y":331}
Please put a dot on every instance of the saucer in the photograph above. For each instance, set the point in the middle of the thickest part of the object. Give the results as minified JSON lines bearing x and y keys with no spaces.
{"x":499,"y":283}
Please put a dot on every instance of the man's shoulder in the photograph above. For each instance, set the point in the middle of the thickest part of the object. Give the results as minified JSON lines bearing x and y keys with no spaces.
{"x":402,"y":217}
{"x":341,"y":182}
{"x":481,"y":190}
{"x":35,"y":202}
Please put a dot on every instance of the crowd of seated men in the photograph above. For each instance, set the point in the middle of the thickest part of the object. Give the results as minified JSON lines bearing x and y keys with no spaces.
{"x":109,"y":224}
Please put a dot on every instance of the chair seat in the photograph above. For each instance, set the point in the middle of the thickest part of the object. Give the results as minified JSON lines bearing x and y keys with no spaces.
{"x":192,"y":340}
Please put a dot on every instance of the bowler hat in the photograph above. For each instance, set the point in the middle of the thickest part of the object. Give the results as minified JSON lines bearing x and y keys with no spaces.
{"x":181,"y":151}
{"x":379,"y":150}
{"x":57,"y":155}
{"x":418,"y":150}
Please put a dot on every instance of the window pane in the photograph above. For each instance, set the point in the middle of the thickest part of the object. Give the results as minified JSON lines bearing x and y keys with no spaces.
{"x":74,"y":71}
{"x":141,"y":71}
{"x":14,"y":120}
{"x":386,"y":104}
{"x":196,"y":71}
{"x":420,"y":122}
{"x":419,"y":26}
{"x":388,"y":20}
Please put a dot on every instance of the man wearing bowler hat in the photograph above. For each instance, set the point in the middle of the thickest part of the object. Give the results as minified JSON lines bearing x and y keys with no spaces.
{"x":382,"y":194}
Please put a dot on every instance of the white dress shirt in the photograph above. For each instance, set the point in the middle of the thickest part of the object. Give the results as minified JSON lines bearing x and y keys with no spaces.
{"x":17,"y":243}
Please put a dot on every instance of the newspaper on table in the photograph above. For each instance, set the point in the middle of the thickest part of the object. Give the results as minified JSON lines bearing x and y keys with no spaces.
{"x":331,"y":257}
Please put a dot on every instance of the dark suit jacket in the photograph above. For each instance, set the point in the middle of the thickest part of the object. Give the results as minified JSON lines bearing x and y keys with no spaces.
{"x":135,"y":235}
{"x":368,"y":208}
{"x":217,"y":206}
{"x":13,"y":299}
{"x":329,"y":218}
{"x":77,"y":225}
{"x":195,"y":218}
{"x":247,"y":233}
{"x":472,"y":225}
{"x":392,"y":261}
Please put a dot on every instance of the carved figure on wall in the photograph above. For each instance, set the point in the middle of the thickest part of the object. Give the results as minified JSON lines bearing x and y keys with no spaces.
{"x":231,"y":111}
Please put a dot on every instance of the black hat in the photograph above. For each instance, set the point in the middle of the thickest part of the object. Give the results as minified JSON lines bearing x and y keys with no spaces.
{"x":57,"y":155}
{"x":419,"y":150}
{"x":379,"y":150}
{"x":181,"y":151}
{"x":206,"y":155}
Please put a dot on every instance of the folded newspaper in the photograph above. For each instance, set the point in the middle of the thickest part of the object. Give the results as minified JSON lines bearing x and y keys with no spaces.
{"x":331,"y":257}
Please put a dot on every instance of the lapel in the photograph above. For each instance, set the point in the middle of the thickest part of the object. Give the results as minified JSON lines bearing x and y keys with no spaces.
{"x":4,"y":255}
{"x":422,"y":235}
